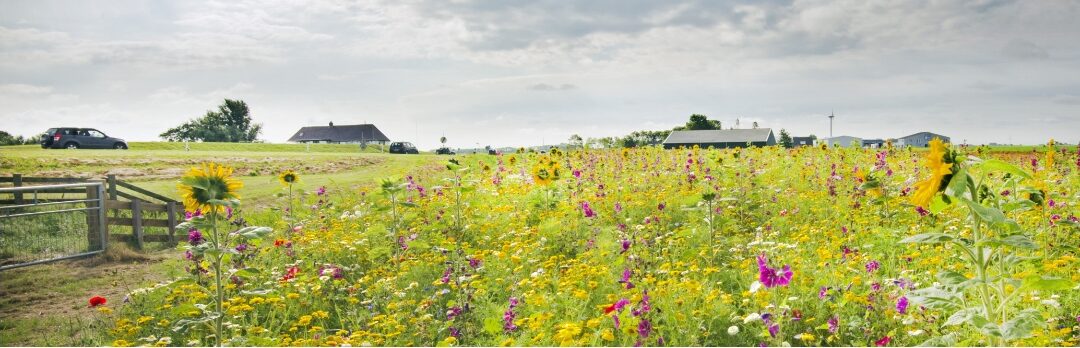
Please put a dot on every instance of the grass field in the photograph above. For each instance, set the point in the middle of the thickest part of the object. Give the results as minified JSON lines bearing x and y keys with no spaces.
{"x":54,"y":295}
{"x":157,"y":165}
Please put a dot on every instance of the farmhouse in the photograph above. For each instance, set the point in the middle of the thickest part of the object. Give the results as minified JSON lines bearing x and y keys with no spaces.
{"x":844,"y":141}
{"x":348,"y":134}
{"x":802,"y":141}
{"x":920,"y":139}
{"x":720,"y":138}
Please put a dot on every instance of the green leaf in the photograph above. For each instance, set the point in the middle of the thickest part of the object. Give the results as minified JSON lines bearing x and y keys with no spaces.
{"x":491,"y":325}
{"x":938,"y":204}
{"x":247,"y":272}
{"x":1021,"y":325}
{"x":991,"y":215}
{"x":953,"y":279}
{"x":254,"y":232}
{"x":408,"y":204}
{"x":962,"y":316}
{"x":1036,"y":282}
{"x":870,"y":185}
{"x":948,"y":340}
{"x":958,"y":183}
{"x":935,"y":298}
{"x":1016,"y":241}
{"x":932,"y":237}
{"x":1003,"y":166}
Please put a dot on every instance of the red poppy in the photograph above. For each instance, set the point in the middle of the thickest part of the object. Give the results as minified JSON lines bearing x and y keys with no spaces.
{"x":290,"y":273}
{"x":97,"y":301}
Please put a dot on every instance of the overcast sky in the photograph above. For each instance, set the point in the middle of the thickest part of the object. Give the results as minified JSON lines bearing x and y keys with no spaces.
{"x":510,"y":73}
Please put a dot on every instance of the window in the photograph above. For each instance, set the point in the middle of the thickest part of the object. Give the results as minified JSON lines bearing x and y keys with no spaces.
{"x":96,"y":134}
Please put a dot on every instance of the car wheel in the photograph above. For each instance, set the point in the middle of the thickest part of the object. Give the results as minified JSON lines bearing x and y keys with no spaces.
{"x":120,"y":146}
{"x":71,"y":146}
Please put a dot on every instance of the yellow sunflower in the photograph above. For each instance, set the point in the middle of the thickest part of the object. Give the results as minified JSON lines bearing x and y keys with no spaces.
{"x":288,"y":177}
{"x":939,"y":169}
{"x":1050,"y":154}
{"x":207,"y":182}
{"x":545,"y":171}
{"x":512,"y":160}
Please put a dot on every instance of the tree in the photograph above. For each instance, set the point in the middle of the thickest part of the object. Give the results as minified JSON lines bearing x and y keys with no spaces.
{"x":700,"y":122}
{"x":755,"y":124}
{"x":575,"y":141}
{"x":8,"y":139}
{"x":785,"y":139}
{"x":230,"y":123}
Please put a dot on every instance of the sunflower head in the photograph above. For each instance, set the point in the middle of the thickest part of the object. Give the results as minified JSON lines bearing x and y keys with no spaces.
{"x":209,"y":182}
{"x":940,"y":163}
{"x":625,"y":153}
{"x":288,"y":177}
{"x":545,"y":171}
{"x":512,"y":160}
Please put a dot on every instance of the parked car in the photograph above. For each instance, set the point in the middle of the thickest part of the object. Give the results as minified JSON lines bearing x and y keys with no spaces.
{"x":403,"y":147}
{"x":80,"y":138}
{"x":444,"y":151}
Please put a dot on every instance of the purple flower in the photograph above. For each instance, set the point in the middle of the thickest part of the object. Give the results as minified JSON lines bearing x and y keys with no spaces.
{"x":660,"y":206}
{"x":822,"y":293}
{"x":901,"y":305}
{"x":872,"y":266}
{"x":194,"y":237}
{"x":509,"y":315}
{"x":587,"y":210}
{"x":875,"y":286}
{"x":922,"y":211}
{"x":321,"y":191}
{"x":618,"y":207}
{"x":616,"y":319}
{"x":769,"y":276}
{"x":626,"y":278}
{"x":455,"y":332}
{"x":453,"y":312}
{"x":644,"y":328}
{"x":474,"y":262}
{"x":884,"y":341}
{"x":625,"y":245}
{"x":446,"y":275}
{"x":834,"y":324}
{"x":242,"y":247}
{"x":773,"y":329}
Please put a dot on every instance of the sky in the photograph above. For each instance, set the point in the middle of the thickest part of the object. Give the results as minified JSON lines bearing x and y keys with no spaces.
{"x":520,"y":73}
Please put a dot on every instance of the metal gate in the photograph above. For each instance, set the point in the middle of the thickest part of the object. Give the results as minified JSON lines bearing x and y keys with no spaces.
{"x":47,"y":223}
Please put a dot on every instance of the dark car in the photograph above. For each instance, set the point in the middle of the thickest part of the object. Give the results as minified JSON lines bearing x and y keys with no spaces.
{"x":444,"y":151}
{"x":79,"y":138}
{"x":403,"y":147}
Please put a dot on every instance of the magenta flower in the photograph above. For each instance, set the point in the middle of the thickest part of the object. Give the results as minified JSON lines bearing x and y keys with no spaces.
{"x":884,"y":341}
{"x":626,"y":278}
{"x":901,"y":305}
{"x":194,"y":237}
{"x":625,"y":245}
{"x":321,"y":191}
{"x":660,"y":206}
{"x":769,"y":276}
{"x":821,"y":294}
{"x":922,"y":211}
{"x":644,"y":328}
{"x":834,"y":324}
{"x":872,"y":266}
{"x":587,"y":210}
{"x":509,"y":315}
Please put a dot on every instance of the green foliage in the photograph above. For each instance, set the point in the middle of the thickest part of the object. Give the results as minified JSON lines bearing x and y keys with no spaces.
{"x":785,"y":139}
{"x":231,"y":123}
{"x":8,"y":139}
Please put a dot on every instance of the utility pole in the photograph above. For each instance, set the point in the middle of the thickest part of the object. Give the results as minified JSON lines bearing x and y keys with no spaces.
{"x":831,"y":116}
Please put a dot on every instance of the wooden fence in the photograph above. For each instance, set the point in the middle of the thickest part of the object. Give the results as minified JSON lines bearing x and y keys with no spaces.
{"x":123,"y":199}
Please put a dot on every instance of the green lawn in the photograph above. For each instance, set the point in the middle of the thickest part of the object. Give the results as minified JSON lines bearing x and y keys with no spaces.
{"x":158,"y":165}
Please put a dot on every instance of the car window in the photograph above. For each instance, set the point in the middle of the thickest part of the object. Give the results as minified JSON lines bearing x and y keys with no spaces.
{"x":83,"y":132}
{"x":95,"y":133}
{"x":51,"y":131}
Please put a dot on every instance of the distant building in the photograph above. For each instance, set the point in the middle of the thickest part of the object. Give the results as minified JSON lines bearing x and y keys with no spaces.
{"x":802,"y":141}
{"x":873,"y":143}
{"x":920,"y":139}
{"x":347,"y":134}
{"x":720,"y":138}
{"x":844,"y":141}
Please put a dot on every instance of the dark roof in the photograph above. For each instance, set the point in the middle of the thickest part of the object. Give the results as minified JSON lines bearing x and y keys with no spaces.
{"x":339,"y":133}
{"x":719,"y":136}
{"x":931,"y":133}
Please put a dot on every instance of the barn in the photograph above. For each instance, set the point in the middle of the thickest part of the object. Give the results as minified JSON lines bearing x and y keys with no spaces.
{"x":920,"y":139}
{"x":340,"y":134}
{"x":720,"y":138}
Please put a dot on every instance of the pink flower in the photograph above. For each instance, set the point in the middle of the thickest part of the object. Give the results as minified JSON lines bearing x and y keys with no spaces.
{"x":901,"y":305}
{"x":769,"y":276}
{"x":884,"y":341}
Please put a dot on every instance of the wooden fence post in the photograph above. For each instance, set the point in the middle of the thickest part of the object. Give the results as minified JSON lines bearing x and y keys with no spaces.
{"x":136,"y":223}
{"x":170,"y":209}
{"x":16,"y":180}
{"x":93,"y":223}
{"x":112,"y":186}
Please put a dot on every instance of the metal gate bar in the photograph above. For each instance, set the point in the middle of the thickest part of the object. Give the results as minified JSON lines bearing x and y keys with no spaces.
{"x":96,"y":189}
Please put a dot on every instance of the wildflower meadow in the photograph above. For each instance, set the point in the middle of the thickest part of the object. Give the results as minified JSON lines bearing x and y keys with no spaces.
{"x":761,"y":246}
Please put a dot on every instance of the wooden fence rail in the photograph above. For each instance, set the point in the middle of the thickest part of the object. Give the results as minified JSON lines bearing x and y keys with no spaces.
{"x":115,"y":190}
